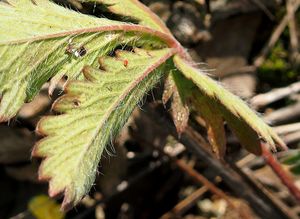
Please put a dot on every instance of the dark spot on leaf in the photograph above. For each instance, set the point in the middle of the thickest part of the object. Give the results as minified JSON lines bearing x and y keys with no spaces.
{"x":81,"y":51}
{"x":76,"y":103}
{"x":65,"y":77}
{"x":77,"y":52}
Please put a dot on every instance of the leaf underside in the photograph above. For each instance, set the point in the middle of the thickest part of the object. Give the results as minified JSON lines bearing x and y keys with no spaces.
{"x":249,"y":128}
{"x":93,"y":111}
{"x":179,"y":108}
{"x":104,"y":86}
{"x":46,"y":44}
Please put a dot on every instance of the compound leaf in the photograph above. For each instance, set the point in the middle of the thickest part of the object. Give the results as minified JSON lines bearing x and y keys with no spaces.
{"x":50,"y":41}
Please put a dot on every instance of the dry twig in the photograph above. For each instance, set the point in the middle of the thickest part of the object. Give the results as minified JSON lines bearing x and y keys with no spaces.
{"x":262,"y":100}
{"x":292,"y":28}
{"x":284,"y":114}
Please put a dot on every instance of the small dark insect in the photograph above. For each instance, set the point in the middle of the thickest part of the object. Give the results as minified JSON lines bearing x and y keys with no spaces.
{"x":125,"y":63}
{"x":77,"y":52}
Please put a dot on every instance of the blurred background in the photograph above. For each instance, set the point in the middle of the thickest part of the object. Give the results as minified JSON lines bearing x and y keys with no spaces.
{"x":252,"y":48}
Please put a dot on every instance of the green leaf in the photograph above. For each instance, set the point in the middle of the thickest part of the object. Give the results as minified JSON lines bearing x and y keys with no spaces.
{"x":136,"y":10}
{"x":93,"y":111}
{"x":250,"y":129}
{"x":179,"y":108}
{"x":214,"y":123}
{"x":51,"y":41}
{"x":292,"y":160}
{"x":208,"y":110}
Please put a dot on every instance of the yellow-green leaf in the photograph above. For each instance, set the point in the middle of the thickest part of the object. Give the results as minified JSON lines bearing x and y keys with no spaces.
{"x":247,"y":125}
{"x":93,"y":111}
{"x":39,"y":40}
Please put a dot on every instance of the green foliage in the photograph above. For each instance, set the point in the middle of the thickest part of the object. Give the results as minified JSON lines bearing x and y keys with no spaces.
{"x":93,"y":111}
{"x":238,"y":115}
{"x":277,"y":69}
{"x":50,"y":41}
{"x":293,"y":161}
{"x":47,"y":45}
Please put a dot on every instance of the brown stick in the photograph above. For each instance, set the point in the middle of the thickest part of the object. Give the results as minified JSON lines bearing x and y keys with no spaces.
{"x":292,"y":137}
{"x":283,"y":114}
{"x":286,"y":129}
{"x":292,"y":29}
{"x":280,"y":172}
{"x":262,"y":205}
{"x":185,"y":204}
{"x":200,"y":178}
{"x":264,"y":99}
{"x":264,"y":8}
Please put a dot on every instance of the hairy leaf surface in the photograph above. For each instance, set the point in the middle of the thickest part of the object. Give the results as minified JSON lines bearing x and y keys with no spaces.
{"x":40,"y":40}
{"x":48,"y":41}
{"x":179,"y":108}
{"x":208,"y":110}
{"x":93,"y":111}
{"x":250,"y":129}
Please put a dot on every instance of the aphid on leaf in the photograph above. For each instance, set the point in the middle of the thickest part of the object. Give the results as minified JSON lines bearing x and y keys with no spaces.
{"x":77,"y":52}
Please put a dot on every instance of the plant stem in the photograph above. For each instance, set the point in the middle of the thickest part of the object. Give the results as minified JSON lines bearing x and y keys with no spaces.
{"x":284,"y":176}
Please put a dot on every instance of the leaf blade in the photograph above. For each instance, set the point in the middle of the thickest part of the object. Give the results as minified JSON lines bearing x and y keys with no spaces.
{"x":98,"y":115}
{"x":233,"y":107}
{"x":52,"y":47}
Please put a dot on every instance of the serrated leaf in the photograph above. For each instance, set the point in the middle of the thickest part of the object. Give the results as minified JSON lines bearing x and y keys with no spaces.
{"x":208,"y":111}
{"x":247,"y":125}
{"x":169,"y":89}
{"x":50,"y":40}
{"x":214,"y":123}
{"x":93,"y":112}
{"x":179,"y":108}
{"x":180,"y":113}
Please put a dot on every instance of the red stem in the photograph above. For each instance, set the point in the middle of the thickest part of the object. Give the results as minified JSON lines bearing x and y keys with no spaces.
{"x":284,"y":176}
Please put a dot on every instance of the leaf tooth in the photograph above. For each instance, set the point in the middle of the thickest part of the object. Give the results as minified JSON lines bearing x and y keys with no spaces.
{"x":12,"y":100}
{"x":238,"y":115}
{"x":82,"y":133}
{"x":92,"y":74}
{"x":41,"y":175}
{"x":111,"y":64}
{"x":180,"y":113}
{"x":169,"y":88}
{"x":77,"y":87}
{"x":53,"y":190}
{"x":66,"y":103}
